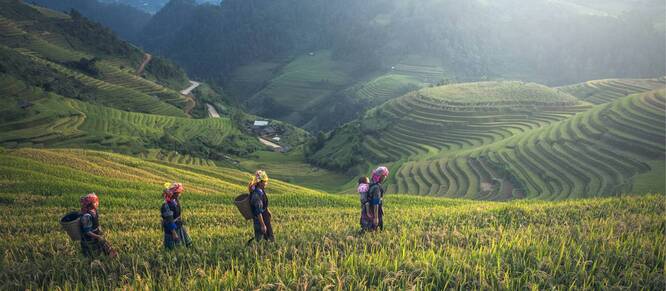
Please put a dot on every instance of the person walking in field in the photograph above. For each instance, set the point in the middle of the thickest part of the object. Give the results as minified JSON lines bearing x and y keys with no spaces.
{"x":93,"y":242}
{"x":366,"y":214}
{"x":175,"y":232}
{"x":259,"y":203}
{"x":376,"y":197}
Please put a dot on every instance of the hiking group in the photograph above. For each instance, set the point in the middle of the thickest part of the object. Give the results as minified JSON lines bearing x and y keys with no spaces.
{"x":94,"y":243}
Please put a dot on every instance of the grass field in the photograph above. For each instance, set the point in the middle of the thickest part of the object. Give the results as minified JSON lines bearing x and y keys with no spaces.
{"x":429,"y":243}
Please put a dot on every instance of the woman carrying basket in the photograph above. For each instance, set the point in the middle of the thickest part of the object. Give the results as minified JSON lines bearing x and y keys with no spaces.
{"x":93,"y":241}
{"x":259,"y":204}
{"x":175,"y":232}
{"x":376,"y":197}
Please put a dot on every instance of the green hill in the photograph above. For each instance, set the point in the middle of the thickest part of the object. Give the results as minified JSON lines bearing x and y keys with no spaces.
{"x":429,"y":243}
{"x":609,"y":150}
{"x":446,"y":118}
{"x":35,"y":41}
{"x":56,"y":121}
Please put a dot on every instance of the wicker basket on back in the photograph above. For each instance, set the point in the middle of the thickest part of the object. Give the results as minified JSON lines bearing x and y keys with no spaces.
{"x":70,"y":223}
{"x":243,"y":204}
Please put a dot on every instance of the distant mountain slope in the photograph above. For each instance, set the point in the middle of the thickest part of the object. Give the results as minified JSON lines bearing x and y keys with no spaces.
{"x":60,"y":37}
{"x":611,"y":149}
{"x":68,"y":82}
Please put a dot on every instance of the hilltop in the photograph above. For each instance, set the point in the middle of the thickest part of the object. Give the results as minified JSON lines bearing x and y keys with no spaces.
{"x":448,"y":118}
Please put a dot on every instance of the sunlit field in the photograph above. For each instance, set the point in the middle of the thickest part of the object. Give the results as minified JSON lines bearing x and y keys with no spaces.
{"x":428,"y":243}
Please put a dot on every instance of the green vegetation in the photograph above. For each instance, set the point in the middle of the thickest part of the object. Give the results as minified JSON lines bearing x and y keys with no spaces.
{"x":609,"y":150}
{"x":428,"y":243}
{"x":446,"y":118}
{"x":604,"y":91}
{"x":386,"y":87}
{"x":71,"y":49}
{"x":57,"y":121}
{"x":301,"y":84}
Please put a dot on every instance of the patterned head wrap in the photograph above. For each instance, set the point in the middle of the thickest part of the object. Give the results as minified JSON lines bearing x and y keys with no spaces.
{"x":379,"y":173}
{"x":171,"y":189}
{"x":259,"y":176}
{"x":89,"y":202}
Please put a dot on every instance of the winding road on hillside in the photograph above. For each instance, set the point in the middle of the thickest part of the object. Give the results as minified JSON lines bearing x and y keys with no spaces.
{"x":212,"y":111}
{"x":187,"y":92}
{"x":146,"y":59}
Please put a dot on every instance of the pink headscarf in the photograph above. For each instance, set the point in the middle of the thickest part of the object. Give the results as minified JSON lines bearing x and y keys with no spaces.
{"x":379,"y":173}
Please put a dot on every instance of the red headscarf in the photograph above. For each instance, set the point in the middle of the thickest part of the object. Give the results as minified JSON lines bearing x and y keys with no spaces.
{"x":170,"y":191}
{"x":89,"y":202}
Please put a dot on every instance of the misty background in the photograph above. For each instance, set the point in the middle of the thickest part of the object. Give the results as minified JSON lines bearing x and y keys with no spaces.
{"x":554,"y":42}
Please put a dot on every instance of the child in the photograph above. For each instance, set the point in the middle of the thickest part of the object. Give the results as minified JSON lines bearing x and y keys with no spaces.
{"x":366,"y":218}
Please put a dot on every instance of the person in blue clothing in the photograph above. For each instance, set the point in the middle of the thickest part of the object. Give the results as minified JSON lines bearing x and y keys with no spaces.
{"x":175,"y":232}
{"x":263,"y":229}
{"x":376,"y":197}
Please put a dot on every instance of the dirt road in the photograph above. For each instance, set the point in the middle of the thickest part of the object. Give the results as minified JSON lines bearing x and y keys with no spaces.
{"x":146,"y":59}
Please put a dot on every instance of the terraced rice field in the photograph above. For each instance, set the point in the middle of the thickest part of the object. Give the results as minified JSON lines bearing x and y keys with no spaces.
{"x":434,"y":119}
{"x":388,"y":86}
{"x":112,"y":95}
{"x":176,"y":158}
{"x":428,"y":243}
{"x":600,"y":152}
{"x":9,"y":29}
{"x":117,"y":88}
{"x":58,"y":121}
{"x":424,"y":73}
{"x":302,"y":83}
{"x":604,"y":91}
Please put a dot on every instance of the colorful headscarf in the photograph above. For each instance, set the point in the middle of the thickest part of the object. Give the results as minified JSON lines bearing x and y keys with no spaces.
{"x":259,"y":176}
{"x":171,"y":189}
{"x":89,"y":202}
{"x":379,"y":173}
